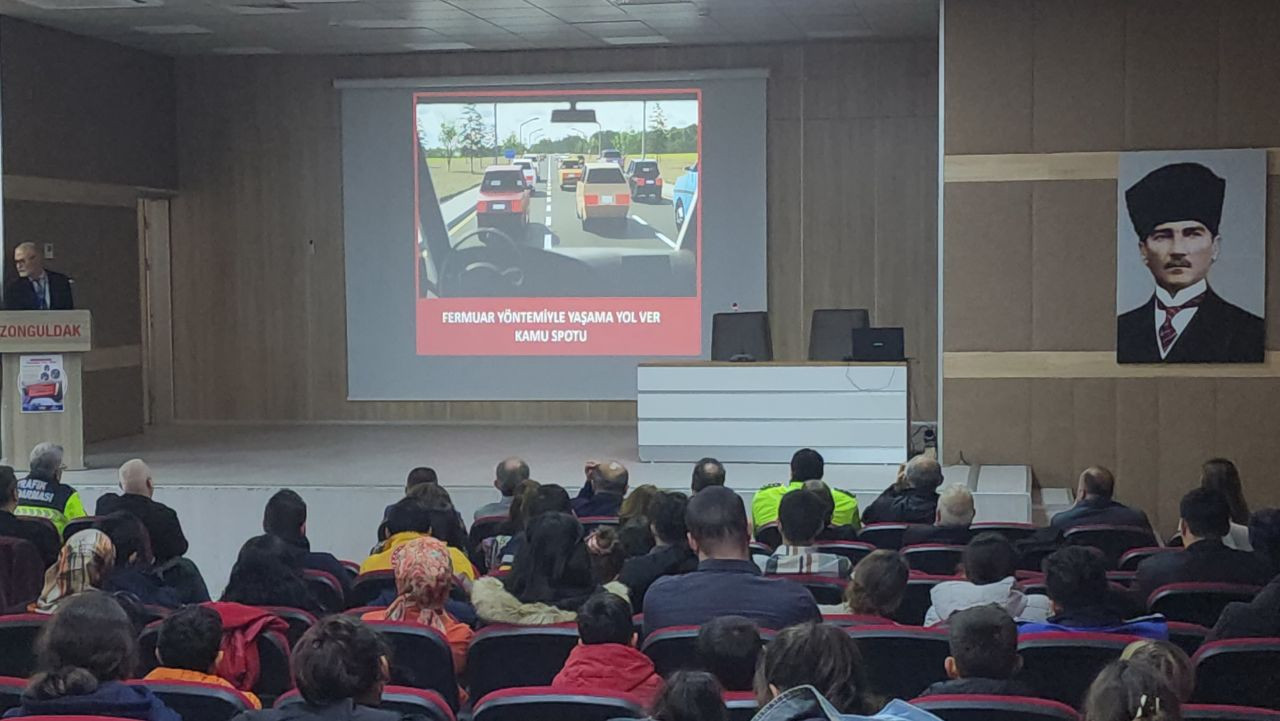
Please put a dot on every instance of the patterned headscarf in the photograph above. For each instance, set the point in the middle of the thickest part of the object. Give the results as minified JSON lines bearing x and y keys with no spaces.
{"x":82,"y":565}
{"x":424,"y":575}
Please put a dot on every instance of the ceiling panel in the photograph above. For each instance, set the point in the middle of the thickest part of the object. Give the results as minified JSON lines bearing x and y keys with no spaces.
{"x":342,"y":26}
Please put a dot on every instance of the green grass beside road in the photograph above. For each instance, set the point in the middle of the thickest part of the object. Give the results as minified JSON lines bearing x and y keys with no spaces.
{"x":449,"y":181}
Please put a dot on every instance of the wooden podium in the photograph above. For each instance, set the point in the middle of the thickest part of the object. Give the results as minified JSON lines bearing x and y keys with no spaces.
{"x":41,"y":396}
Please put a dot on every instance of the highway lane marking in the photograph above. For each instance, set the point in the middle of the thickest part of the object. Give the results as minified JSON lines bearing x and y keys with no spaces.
{"x":462,"y":223}
{"x":546,"y":239}
{"x":639,"y":220}
{"x":666,"y":240}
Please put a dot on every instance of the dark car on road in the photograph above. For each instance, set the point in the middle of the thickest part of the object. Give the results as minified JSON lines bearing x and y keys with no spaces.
{"x":644,"y":179}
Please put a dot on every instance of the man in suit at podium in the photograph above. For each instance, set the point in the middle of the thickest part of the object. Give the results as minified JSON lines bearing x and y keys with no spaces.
{"x":36,"y":287}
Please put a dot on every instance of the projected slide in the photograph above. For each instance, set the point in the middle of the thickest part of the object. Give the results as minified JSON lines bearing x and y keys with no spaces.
{"x":558,"y":222}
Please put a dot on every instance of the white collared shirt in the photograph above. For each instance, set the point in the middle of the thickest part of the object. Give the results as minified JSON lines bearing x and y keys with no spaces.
{"x":1182,"y":317}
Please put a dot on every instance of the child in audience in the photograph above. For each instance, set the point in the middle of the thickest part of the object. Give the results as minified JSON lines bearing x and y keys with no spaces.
{"x":876,"y":588}
{"x":1076,"y":579}
{"x":989,"y":564}
{"x":606,"y":554}
{"x":188,"y":649}
{"x":424,"y":576}
{"x":984,"y":655}
{"x":1128,"y":691}
{"x":134,"y":570}
{"x":84,"y":654}
{"x":690,"y":696}
{"x":340,"y":666}
{"x":1169,"y":662}
{"x":84,"y":563}
{"x":268,"y":572}
{"x":818,"y":655}
{"x":729,"y":647}
{"x":606,"y":657}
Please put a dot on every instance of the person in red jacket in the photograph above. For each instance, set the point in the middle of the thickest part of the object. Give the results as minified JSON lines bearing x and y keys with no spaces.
{"x":606,"y":656}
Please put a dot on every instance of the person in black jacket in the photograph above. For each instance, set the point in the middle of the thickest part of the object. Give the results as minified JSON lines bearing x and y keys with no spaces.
{"x":915,"y":500}
{"x":136,"y":489}
{"x":341,"y":667}
{"x":984,"y":655}
{"x":951,"y":524}
{"x":671,"y":554}
{"x":1095,"y":506}
{"x":44,"y":536}
{"x":36,"y":287}
{"x":135,"y":570}
{"x":285,"y":517}
{"x":1205,"y":520}
{"x":267,"y":573}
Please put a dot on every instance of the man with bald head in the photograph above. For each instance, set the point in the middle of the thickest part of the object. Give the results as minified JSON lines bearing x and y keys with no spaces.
{"x":604,"y":490}
{"x":915,"y":500}
{"x":136,"y":488}
{"x":36,"y":287}
{"x":1094,"y":504}
{"x":508,"y":476}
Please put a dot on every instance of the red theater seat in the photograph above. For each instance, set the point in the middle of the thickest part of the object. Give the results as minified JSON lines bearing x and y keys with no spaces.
{"x":326,"y":589}
{"x":902,"y":662}
{"x":883,"y":535}
{"x":1113,"y":541}
{"x":1219,"y":712}
{"x":935,"y":558}
{"x":401,"y":699}
{"x":1244,"y":671}
{"x":369,"y":586}
{"x":1060,"y":665}
{"x":1199,"y":603}
{"x":981,"y":707}
{"x":853,"y":550}
{"x":741,"y":704}
{"x":1011,"y":530}
{"x":199,"y":701}
{"x":18,"y":637}
{"x":539,"y":703}
{"x":503,"y":656}
{"x":420,"y":658}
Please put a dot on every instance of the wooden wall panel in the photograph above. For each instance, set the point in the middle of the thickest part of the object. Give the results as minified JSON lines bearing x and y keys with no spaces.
{"x":259,"y":308}
{"x":1106,"y":78}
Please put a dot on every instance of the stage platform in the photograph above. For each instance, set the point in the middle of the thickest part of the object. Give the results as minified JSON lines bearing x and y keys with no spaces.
{"x":219,"y":477}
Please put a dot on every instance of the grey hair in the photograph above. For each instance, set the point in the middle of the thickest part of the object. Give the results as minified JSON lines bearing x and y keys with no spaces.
{"x":46,"y":460}
{"x":955,"y":506}
{"x":923,"y":472}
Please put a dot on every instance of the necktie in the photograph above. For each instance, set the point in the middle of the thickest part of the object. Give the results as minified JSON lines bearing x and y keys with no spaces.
{"x":40,"y":303}
{"x":1167,"y":332}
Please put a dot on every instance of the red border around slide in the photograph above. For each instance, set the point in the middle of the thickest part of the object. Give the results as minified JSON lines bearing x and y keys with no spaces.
{"x":635,"y":326}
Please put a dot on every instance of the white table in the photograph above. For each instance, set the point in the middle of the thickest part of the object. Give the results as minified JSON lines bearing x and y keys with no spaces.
{"x":763,"y":412}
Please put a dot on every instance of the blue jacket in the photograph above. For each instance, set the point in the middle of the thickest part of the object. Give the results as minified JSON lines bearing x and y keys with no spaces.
{"x":1097,"y":620}
{"x":109,"y":699}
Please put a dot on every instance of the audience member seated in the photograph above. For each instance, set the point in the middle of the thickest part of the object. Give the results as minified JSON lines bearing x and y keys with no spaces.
{"x":984,"y":655}
{"x":267,"y":572}
{"x":549,"y":581}
{"x":547,"y":498}
{"x":606,"y":554}
{"x":1128,"y":691}
{"x":914,"y":500}
{"x":1259,"y":618}
{"x":1076,"y":580}
{"x":800,"y":518}
{"x":86,"y":559}
{"x":606,"y":657}
{"x":990,"y":562}
{"x":826,"y":659}
{"x":633,"y":520}
{"x":707,"y":472}
{"x":876,"y":588}
{"x":188,"y":648}
{"x":729,"y":647}
{"x":603,"y":491}
{"x":136,"y":489}
{"x":1220,"y":474}
{"x":285,"y":517}
{"x":726,"y":582}
{"x":424,"y":576}
{"x":690,"y":696}
{"x":491,"y":548}
{"x":1094,"y":505}
{"x":413,"y":517}
{"x":806,"y":465}
{"x":507,"y":477}
{"x":420,"y":476}
{"x":84,"y":654}
{"x":670,"y":555}
{"x":42,"y":493}
{"x":340,"y":667}
{"x":1168,"y":661}
{"x":446,"y":521}
{"x":1205,"y":520}
{"x":41,"y":535}
{"x":830,"y":531}
{"x":951,"y":521}
{"x":134,"y":570}
{"x":1264,"y":536}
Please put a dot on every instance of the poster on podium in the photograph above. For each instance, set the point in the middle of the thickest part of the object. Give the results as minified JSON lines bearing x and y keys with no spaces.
{"x":42,"y":383}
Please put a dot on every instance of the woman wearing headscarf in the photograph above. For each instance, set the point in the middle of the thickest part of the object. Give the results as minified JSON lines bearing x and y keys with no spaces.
{"x":83,"y":564}
{"x":424,"y":576}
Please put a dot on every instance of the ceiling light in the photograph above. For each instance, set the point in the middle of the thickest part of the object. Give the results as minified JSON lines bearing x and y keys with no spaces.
{"x":637,"y":40}
{"x":429,"y":47}
{"x":246,"y":50}
{"x":173,"y":30}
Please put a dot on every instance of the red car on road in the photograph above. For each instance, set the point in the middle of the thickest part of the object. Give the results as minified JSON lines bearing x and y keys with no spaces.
{"x":503,"y":198}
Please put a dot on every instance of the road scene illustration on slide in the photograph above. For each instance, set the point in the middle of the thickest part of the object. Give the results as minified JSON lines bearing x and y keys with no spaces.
{"x":558,"y":193}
